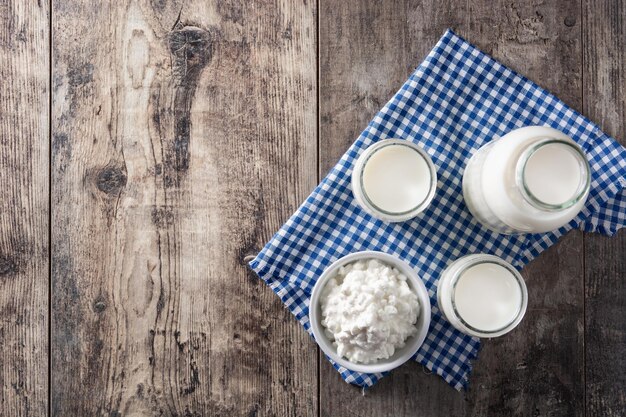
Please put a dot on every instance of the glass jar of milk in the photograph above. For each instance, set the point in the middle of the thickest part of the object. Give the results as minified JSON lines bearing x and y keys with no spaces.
{"x":531,"y":180}
{"x":394,"y":180}
{"x":482,"y":295}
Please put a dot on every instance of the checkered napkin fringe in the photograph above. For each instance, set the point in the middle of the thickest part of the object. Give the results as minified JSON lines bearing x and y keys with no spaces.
{"x":457,"y":100}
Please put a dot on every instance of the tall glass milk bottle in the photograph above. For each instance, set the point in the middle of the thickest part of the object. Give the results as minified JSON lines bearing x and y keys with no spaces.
{"x":531,"y":180}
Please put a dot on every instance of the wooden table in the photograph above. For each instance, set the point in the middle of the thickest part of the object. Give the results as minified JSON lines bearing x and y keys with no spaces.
{"x":150,"y":146}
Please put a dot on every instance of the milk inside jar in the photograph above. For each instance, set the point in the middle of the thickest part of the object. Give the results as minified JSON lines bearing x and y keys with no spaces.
{"x":482,"y":295}
{"x":531,"y":180}
{"x":394,"y":180}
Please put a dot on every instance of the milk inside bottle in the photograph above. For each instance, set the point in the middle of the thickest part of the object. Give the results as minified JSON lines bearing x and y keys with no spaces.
{"x":482,"y":295}
{"x":394,"y":180}
{"x":531,"y":180}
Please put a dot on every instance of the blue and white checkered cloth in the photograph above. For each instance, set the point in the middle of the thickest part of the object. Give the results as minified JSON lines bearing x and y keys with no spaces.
{"x":457,"y":100}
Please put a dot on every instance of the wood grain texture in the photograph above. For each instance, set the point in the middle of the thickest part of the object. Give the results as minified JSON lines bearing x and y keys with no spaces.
{"x":538,"y":368}
{"x":184,"y":135}
{"x":367,"y":51}
{"x":24,"y":164}
{"x":604,"y":89}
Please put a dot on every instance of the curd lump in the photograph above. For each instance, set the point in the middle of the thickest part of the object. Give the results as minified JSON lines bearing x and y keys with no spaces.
{"x":368,"y":311}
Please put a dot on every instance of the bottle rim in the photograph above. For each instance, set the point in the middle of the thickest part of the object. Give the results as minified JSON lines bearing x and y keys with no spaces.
{"x":583,"y":186}
{"x":367,"y":201}
{"x":473,"y":261}
{"x":447,"y":289}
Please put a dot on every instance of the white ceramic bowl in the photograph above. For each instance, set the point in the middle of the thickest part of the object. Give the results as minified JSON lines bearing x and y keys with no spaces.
{"x":412,"y":344}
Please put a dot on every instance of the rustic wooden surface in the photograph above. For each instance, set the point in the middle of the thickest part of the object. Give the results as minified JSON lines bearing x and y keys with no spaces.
{"x":177,"y":149}
{"x":24,"y":191}
{"x":604,"y":92}
{"x":177,"y":136}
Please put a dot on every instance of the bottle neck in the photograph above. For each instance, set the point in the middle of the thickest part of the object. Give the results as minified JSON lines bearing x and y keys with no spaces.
{"x":553,"y":174}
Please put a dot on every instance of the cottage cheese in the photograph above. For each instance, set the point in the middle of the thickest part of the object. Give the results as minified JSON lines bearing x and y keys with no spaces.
{"x":368,"y":311}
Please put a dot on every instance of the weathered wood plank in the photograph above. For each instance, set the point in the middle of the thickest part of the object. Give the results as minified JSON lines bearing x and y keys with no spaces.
{"x":604,"y":88}
{"x":183,"y":137}
{"x":24,"y":163}
{"x":538,"y":369}
{"x":367,"y":51}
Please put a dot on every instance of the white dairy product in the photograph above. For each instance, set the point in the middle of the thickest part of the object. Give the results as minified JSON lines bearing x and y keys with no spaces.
{"x":482,"y":295}
{"x":487,"y":296}
{"x":368,"y":311}
{"x":534,"y":179}
{"x":553,"y":174}
{"x":394,"y":180}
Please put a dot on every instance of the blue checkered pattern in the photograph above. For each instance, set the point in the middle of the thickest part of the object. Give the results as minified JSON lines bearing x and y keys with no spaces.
{"x":457,"y":100}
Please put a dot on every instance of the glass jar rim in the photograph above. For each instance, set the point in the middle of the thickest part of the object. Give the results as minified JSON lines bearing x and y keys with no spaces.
{"x":583,"y":186}
{"x":418,"y":208}
{"x":521,"y":309}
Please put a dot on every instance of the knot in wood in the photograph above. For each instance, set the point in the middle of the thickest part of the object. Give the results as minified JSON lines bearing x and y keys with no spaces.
{"x":111,"y":180}
{"x":191,"y":49}
{"x":570,"y":21}
{"x":99,"y":306}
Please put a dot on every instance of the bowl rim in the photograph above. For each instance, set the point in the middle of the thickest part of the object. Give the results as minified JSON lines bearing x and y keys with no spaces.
{"x":415,"y":282}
